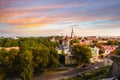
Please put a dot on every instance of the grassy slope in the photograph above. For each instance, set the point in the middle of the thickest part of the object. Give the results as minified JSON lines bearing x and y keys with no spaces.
{"x":92,"y":75}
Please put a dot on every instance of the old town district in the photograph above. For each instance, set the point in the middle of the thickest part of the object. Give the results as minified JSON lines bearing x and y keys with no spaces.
{"x":101,"y":47}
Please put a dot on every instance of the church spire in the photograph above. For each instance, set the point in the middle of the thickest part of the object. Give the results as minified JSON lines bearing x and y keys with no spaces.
{"x":72,"y":32}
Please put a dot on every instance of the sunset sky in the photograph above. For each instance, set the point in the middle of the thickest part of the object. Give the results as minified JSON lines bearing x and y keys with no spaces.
{"x":57,"y":17}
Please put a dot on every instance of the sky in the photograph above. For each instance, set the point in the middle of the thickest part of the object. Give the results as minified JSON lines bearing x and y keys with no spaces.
{"x":58,"y":17}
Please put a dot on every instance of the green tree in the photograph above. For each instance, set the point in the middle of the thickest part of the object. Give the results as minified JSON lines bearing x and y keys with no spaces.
{"x":94,"y":41}
{"x":74,"y":41}
{"x":53,"y":58}
{"x":62,"y":58}
{"x":112,"y":42}
{"x":26,"y":65}
{"x":41,"y":57}
{"x":9,"y":62}
{"x":9,"y":42}
{"x":14,"y":61}
{"x":117,"y":51}
{"x":82,"y":54}
{"x":1,"y":42}
{"x":6,"y":42}
{"x":3,"y":54}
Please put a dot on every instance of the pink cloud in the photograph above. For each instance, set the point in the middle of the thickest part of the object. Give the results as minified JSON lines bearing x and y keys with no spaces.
{"x":7,"y":2}
{"x":7,"y":15}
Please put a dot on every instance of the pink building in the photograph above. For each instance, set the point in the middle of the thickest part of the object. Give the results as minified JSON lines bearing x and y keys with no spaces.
{"x":108,"y":48}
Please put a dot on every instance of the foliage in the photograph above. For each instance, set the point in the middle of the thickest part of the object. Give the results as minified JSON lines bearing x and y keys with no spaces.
{"x":9,"y":62}
{"x":92,"y":75}
{"x":94,"y":41}
{"x":62,"y":58}
{"x":40,"y":58}
{"x":112,"y":42}
{"x":35,"y":55}
{"x":74,"y":41}
{"x":8,"y":42}
{"x":26,"y":42}
{"x":82,"y":54}
{"x":1,"y":42}
{"x":117,"y":51}
{"x":26,"y":65}
{"x":53,"y":58}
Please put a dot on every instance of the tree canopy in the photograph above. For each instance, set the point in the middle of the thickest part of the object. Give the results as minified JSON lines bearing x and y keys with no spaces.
{"x":117,"y":51}
{"x":74,"y":41}
{"x":35,"y":55}
{"x":26,"y":65}
{"x":112,"y":42}
{"x":82,"y":54}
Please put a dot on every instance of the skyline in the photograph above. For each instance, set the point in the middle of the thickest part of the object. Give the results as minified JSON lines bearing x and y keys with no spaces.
{"x":57,"y":17}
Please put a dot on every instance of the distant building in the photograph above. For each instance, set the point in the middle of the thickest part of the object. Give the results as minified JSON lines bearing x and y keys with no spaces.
{"x":70,"y":59}
{"x":72,"y":33}
{"x":108,"y":62}
{"x":52,"y":39}
{"x":107,"y":49}
{"x":93,"y":37}
{"x":66,"y":43}
{"x":16,"y":38}
{"x":9,"y":48}
{"x":95,"y":54}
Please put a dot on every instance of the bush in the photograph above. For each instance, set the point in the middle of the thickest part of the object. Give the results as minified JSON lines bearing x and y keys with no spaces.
{"x":92,"y":75}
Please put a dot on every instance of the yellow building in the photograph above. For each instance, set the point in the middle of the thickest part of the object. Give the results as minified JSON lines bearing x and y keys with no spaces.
{"x":70,"y":59}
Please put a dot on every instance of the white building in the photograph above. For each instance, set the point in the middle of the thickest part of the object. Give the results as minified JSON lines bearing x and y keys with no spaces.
{"x":95,"y":54}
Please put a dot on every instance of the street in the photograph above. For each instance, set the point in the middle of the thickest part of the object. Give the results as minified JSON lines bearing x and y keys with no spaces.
{"x":68,"y":73}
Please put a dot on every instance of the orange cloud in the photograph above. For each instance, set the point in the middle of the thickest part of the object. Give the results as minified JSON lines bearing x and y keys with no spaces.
{"x":31,"y":22}
{"x":21,"y":21}
{"x":34,"y":22}
{"x":6,"y":13}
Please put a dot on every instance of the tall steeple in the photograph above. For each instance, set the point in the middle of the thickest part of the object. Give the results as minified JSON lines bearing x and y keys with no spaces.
{"x":72,"y":32}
